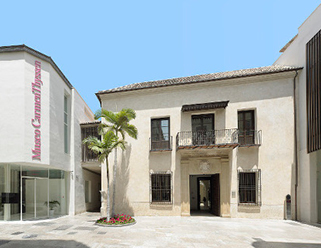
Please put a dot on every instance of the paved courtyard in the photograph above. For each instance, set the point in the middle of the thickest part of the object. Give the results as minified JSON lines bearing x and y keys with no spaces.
{"x":80,"y":231}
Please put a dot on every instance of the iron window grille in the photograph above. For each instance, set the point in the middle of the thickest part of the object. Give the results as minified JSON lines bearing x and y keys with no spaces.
{"x":249,"y":187}
{"x":161,"y":187}
{"x":313,"y":93}
{"x":87,"y":154}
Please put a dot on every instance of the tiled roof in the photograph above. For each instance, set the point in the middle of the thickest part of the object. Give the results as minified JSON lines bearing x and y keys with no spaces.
{"x":203,"y":78}
{"x":24,"y":48}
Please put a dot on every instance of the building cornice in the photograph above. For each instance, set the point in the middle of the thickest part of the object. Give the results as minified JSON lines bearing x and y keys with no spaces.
{"x":24,"y":48}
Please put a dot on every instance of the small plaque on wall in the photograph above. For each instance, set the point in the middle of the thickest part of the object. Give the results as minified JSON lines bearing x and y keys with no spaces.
{"x":233,"y":194}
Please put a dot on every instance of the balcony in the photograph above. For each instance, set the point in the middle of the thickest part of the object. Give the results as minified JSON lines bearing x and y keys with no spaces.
{"x":207,"y":139}
{"x":226,"y":138}
{"x":249,"y":138}
{"x":88,"y":155}
{"x":160,"y":145}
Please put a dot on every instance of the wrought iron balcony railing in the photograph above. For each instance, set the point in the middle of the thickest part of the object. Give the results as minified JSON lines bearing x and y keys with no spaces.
{"x":207,"y":138}
{"x":222,"y":137}
{"x":88,"y":155}
{"x":249,"y":137}
{"x":160,"y":145}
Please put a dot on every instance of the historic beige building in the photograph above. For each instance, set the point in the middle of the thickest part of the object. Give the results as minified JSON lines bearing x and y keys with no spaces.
{"x":219,"y":143}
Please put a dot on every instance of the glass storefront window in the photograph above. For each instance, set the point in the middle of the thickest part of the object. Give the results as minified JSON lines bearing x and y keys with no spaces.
{"x":57,"y":192}
{"x":1,"y":190}
{"x":42,"y":190}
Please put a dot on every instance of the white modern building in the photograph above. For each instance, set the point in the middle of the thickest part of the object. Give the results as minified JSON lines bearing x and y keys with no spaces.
{"x":304,"y":51}
{"x":40,"y":148}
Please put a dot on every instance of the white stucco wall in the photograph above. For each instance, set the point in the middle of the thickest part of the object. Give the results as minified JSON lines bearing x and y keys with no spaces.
{"x":17,"y":72}
{"x":12,"y":100}
{"x":80,"y":108}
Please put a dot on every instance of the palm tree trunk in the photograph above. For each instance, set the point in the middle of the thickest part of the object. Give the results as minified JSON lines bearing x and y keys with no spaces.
{"x":114,"y":183}
{"x":108,"y":193}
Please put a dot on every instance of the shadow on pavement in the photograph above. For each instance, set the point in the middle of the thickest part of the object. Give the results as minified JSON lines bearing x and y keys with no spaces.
{"x":259,"y":243}
{"x":41,"y":243}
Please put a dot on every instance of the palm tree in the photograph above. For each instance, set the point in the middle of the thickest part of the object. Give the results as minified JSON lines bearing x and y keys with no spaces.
{"x":119,"y":124}
{"x":103,"y":148}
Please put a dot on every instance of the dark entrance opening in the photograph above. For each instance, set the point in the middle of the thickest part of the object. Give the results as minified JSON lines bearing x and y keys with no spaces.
{"x":205,"y":194}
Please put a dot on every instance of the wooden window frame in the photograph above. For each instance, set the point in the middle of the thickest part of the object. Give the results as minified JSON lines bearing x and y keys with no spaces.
{"x":246,"y":136}
{"x":157,"y":143}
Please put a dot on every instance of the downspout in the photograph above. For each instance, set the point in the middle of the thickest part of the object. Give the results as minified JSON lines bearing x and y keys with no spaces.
{"x":296,"y":148}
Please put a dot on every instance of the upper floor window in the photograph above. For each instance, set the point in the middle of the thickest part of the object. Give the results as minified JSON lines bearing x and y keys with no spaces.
{"x":202,"y":123}
{"x":160,"y":134}
{"x":250,"y":187}
{"x":203,"y":129}
{"x":246,"y":127}
{"x":86,"y":131}
{"x":66,"y":143}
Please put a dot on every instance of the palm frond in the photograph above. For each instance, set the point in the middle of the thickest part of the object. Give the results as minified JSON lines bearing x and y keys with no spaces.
{"x":109,"y":116}
{"x":131,"y":130}
{"x":129,"y":113}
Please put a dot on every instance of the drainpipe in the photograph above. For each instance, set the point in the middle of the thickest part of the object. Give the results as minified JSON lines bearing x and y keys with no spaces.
{"x":296,"y":148}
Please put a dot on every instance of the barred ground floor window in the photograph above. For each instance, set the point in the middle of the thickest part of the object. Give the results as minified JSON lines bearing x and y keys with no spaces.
{"x":250,"y":187}
{"x":161,"y":187}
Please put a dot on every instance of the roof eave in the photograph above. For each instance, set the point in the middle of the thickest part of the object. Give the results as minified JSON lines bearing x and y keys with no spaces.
{"x":199,"y":81}
{"x":24,"y":48}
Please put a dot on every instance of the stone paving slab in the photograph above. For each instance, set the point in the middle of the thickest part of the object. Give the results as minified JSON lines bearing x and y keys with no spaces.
{"x":81,"y":231}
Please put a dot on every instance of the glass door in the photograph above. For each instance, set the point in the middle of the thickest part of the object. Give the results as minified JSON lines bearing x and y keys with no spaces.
{"x":28,"y":198}
{"x":34,"y":198}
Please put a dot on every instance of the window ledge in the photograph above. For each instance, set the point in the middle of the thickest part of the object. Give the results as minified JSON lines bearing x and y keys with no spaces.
{"x":249,"y":205}
{"x":160,"y":203}
{"x":161,"y":150}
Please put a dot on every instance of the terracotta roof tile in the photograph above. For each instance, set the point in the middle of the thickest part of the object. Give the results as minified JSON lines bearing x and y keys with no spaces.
{"x":202,"y":78}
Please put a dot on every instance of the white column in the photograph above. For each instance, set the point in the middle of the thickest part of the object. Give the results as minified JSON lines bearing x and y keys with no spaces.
{"x":225,"y":187}
{"x":234,"y":185}
{"x":103,"y":192}
{"x":6,"y":206}
{"x":72,"y":189}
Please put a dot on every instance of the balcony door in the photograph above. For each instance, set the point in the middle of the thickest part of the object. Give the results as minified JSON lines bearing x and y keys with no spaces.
{"x":203,"y":129}
{"x":246,"y":127}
